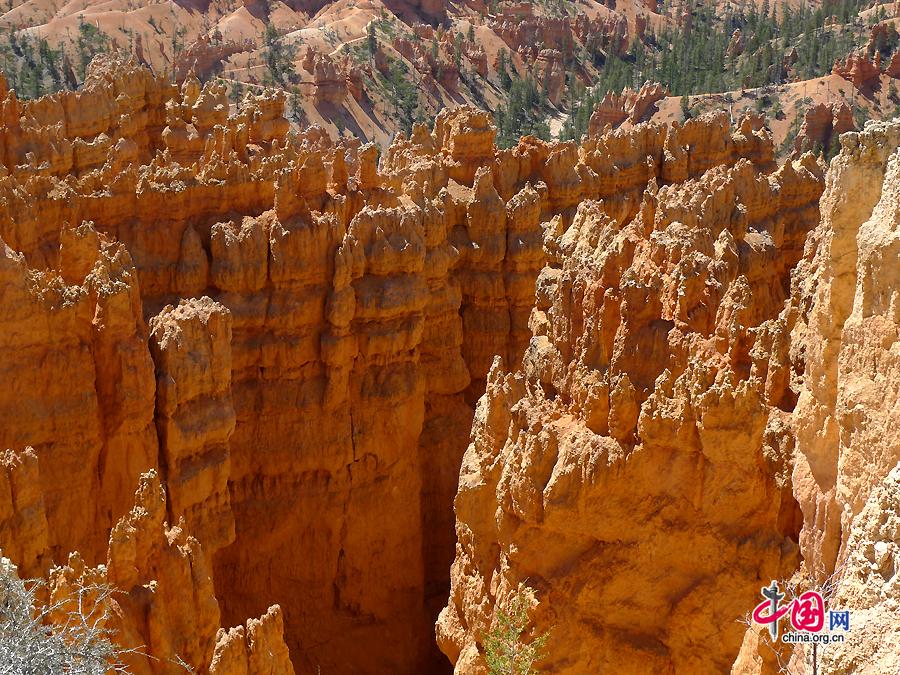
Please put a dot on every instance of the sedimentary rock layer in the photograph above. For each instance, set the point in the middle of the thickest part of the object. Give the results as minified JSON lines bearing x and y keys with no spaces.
{"x":288,"y":337}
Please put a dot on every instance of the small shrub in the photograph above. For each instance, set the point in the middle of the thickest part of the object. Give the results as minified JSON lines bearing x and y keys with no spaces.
{"x":31,"y":643}
{"x":505,"y":651}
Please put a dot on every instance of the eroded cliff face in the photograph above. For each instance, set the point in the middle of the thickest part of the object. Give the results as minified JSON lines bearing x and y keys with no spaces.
{"x":280,"y":342}
{"x":845,"y":474}
{"x":707,"y":403}
{"x":636,"y":471}
{"x":293,"y":350}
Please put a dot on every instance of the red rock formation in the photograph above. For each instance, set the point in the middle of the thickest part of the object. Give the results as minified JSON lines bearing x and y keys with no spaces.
{"x":608,"y":33}
{"x":685,"y":17}
{"x":845,"y":453}
{"x":640,"y":25}
{"x":881,"y":34}
{"x":736,"y":45}
{"x":822,"y":126}
{"x":78,"y":131}
{"x":532,"y":31}
{"x":337,"y":325}
{"x":857,"y":69}
{"x":353,"y":75}
{"x":477,"y":57}
{"x":138,"y":49}
{"x":423,"y":31}
{"x":321,"y":325}
{"x":893,"y":68}
{"x":632,"y":105}
{"x":23,"y":521}
{"x":191,"y":349}
{"x":521,"y":9}
{"x":381,"y":62}
{"x":330,"y":80}
{"x":649,"y":341}
{"x":202,"y":56}
{"x":550,"y":71}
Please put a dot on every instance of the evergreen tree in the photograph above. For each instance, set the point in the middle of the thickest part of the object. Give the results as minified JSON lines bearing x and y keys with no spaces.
{"x":506,"y":652}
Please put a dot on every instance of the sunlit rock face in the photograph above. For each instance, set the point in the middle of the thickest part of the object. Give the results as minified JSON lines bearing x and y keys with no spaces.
{"x":635,"y":468}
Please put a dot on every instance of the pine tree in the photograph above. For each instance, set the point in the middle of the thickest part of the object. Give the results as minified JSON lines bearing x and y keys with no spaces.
{"x":371,"y":40}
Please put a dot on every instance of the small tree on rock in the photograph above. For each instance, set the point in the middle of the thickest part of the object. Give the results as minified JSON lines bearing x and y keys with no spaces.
{"x":506,"y":652}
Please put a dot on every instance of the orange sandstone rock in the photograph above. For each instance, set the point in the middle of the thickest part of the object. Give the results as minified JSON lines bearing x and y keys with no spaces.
{"x":823,"y":125}
{"x":631,"y":105}
{"x":658,"y":354}
{"x":319,"y":400}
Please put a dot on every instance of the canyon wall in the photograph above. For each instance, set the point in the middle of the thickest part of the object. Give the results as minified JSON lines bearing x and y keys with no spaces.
{"x":278,"y":344}
{"x":636,"y":470}
{"x":846,"y":474}
{"x":303,"y":357}
{"x":844,"y":370}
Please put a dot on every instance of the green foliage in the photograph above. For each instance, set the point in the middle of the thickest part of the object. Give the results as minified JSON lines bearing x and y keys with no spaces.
{"x":403,"y":96}
{"x":31,"y":66}
{"x":580,"y":109}
{"x":860,"y":116}
{"x":502,"y":73}
{"x":521,"y":115}
{"x":90,"y":40}
{"x":279,"y":56}
{"x":371,"y":40}
{"x":237,"y":91}
{"x":787,"y":145}
{"x":506,"y":652}
{"x":765,"y":102}
{"x":295,"y":102}
{"x":698,"y":61}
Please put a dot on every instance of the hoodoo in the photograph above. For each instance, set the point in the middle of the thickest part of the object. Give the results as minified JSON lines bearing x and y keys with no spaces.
{"x":304,"y":405}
